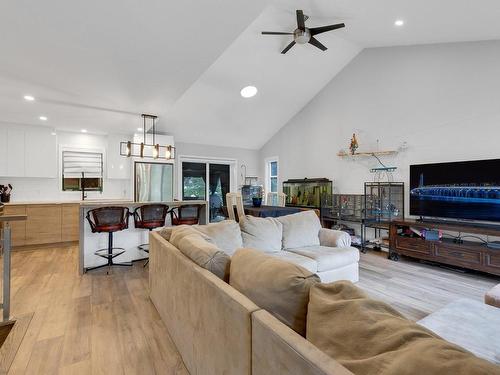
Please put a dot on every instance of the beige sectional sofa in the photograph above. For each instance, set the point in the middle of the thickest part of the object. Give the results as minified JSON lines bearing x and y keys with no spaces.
{"x":297,"y":238}
{"x":218,"y":330}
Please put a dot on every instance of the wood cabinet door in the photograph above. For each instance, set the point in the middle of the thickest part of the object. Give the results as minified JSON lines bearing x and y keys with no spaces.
{"x":70,"y":226}
{"x":44,"y":224}
{"x":18,"y":228}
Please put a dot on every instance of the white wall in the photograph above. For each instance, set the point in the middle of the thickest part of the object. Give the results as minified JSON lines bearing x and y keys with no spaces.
{"x":443,"y":100}
{"x":46,"y":189}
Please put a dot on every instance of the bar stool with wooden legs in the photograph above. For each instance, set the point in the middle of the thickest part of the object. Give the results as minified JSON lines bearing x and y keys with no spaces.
{"x":150,"y":216}
{"x":109,"y":220}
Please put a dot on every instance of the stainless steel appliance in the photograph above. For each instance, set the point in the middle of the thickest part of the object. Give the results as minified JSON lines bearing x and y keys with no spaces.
{"x":154,"y":182}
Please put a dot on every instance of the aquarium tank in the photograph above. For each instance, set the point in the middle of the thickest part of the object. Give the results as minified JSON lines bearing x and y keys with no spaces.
{"x":306,"y":192}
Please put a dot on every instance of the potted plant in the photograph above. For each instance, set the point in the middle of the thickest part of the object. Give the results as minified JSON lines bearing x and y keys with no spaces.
{"x":257,"y":199}
{"x":5,"y":191}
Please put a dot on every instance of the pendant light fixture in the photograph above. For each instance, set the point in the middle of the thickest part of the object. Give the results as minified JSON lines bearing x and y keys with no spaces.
{"x":147,"y":150}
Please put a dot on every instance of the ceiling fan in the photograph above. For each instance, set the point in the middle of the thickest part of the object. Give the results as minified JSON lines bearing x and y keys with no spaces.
{"x":303,"y":35}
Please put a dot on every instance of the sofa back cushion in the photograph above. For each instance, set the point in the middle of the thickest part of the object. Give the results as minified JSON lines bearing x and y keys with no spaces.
{"x":166,"y":232}
{"x":300,"y":229}
{"x":225,"y":234}
{"x":368,"y":336}
{"x":262,"y":233}
{"x":278,"y":286}
{"x":199,"y":248}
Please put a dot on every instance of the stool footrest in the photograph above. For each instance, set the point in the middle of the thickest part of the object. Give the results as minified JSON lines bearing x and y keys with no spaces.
{"x":104,"y":253}
{"x":144,"y":247}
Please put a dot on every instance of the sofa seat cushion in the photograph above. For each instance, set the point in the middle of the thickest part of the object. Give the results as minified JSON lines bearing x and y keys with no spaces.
{"x":308,"y":263}
{"x":225,"y":234}
{"x":370,"y":337}
{"x":329,"y":258}
{"x":300,"y":229}
{"x":278,"y":286}
{"x":261,"y":233}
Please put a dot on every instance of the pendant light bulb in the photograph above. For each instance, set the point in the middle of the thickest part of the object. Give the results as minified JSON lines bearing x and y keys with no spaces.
{"x":156,"y":151}
{"x":168,"y":153}
{"x":129,"y":148}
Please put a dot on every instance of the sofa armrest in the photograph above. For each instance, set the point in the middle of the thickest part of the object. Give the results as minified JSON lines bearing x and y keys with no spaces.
{"x":334,"y":238}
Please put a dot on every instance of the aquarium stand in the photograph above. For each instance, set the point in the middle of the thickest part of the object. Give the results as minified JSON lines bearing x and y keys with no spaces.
{"x":454,"y":248}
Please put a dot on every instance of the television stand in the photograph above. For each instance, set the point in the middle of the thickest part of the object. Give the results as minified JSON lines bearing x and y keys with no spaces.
{"x":458,"y":251}
{"x":465,"y":224}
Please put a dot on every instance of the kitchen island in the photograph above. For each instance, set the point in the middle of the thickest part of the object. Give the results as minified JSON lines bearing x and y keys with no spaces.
{"x":128,"y":239}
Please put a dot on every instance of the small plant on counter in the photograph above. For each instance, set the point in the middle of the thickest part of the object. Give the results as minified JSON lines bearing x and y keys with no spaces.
{"x":5,"y":191}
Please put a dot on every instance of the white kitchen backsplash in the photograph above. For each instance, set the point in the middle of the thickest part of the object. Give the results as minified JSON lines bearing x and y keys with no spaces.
{"x":49,"y":189}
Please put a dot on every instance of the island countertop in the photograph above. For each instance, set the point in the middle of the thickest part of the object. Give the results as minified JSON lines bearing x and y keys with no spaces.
{"x":129,"y":238}
{"x":65,"y":201}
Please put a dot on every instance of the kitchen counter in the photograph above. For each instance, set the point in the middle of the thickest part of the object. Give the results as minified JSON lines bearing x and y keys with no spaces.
{"x":105,"y":201}
{"x":128,"y":239}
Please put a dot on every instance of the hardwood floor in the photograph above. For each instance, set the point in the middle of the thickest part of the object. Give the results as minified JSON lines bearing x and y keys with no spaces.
{"x":94,"y":324}
{"x":416,"y":289}
{"x":105,"y":324}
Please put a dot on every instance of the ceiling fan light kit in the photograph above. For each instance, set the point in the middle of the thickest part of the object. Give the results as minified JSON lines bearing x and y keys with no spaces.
{"x":303,"y":34}
{"x":147,"y":150}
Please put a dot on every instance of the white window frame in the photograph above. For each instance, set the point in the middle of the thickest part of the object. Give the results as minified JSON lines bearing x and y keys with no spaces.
{"x":267,"y":184}
{"x":72,"y":148}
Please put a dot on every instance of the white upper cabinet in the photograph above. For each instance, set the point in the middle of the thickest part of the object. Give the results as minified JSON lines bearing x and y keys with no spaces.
{"x":118,"y":167}
{"x":15,"y":152}
{"x":41,"y":154}
{"x":27,"y":152}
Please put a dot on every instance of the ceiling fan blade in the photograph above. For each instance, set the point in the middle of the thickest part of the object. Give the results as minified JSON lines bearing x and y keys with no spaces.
{"x":288,"y":47}
{"x":301,"y":23}
{"x":315,"y":42}
{"x":275,"y":33}
{"x":322,"y":29}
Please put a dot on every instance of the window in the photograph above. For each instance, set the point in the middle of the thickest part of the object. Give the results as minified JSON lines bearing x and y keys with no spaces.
{"x":272,"y":175}
{"x":82,"y":169}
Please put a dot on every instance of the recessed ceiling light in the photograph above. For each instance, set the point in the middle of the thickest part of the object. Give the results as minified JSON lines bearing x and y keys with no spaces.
{"x":84,"y":130}
{"x":249,"y":91}
{"x":53,"y":133}
{"x":43,"y":118}
{"x":399,"y":23}
{"x":29,"y":98}
{"x":140,"y":129}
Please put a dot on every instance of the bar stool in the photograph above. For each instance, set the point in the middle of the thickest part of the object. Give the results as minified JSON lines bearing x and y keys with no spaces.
{"x":150,"y":216}
{"x":109,"y":220}
{"x":188,"y":214}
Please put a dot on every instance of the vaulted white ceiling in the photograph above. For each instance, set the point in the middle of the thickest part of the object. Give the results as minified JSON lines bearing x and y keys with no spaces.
{"x":99,"y":64}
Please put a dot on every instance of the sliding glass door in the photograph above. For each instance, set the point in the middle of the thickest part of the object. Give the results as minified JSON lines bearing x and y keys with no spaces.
{"x":211,"y":181}
{"x":194,"y":181}
{"x":219,"y":186}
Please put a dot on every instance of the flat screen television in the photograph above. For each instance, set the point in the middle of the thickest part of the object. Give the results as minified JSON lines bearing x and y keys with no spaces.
{"x":467,"y":190}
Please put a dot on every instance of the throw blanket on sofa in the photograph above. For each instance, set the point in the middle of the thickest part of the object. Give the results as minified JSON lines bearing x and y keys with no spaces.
{"x":370,"y":337}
